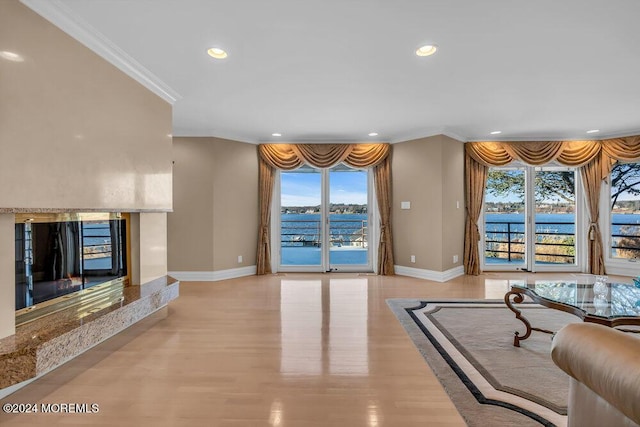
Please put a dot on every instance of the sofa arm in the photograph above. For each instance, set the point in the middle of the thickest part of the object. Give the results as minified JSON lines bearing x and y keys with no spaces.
{"x":605,"y":360}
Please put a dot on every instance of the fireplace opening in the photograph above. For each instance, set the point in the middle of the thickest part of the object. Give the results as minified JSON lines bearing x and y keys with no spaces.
{"x":65,"y":255}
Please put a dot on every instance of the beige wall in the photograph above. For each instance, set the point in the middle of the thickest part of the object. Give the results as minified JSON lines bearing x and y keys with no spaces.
{"x":215,"y":215}
{"x":75,"y":132}
{"x":453,"y":207}
{"x":153,"y":245}
{"x":428,"y":172}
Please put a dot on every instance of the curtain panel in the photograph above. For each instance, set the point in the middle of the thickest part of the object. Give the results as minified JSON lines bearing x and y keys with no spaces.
{"x":292,"y":156}
{"x":594,"y":158}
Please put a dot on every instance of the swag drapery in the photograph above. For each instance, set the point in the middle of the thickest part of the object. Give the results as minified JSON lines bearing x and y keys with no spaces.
{"x":292,"y":156}
{"x":594,"y":158}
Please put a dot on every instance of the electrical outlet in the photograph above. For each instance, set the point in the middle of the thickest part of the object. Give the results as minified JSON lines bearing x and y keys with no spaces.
{"x":239,"y":259}
{"x":455,"y":259}
{"x":413,"y":258}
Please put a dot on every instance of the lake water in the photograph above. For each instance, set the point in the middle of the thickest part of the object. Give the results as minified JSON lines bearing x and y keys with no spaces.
{"x":300,"y":235}
{"x":559,"y":223}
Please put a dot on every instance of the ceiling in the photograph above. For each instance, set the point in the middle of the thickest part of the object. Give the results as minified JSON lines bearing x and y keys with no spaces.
{"x":336,"y":70}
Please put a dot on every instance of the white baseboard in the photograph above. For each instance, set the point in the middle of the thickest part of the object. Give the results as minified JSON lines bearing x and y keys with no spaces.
{"x":436,"y":276}
{"x":630,"y":269}
{"x":213,"y":276}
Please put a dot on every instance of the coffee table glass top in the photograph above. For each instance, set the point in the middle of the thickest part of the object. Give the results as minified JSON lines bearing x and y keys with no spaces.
{"x":601,"y":299}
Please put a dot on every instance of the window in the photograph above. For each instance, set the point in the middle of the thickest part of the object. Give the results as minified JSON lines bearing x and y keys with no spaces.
{"x":324,"y":219}
{"x":530,"y":218}
{"x":624,"y":230}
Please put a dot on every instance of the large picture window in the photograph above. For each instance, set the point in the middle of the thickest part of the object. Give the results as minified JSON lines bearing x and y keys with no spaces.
{"x":324,"y":219}
{"x":625,"y":212}
{"x":530,"y":219}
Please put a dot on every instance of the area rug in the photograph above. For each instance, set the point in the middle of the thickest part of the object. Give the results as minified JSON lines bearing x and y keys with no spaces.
{"x":469,"y":346}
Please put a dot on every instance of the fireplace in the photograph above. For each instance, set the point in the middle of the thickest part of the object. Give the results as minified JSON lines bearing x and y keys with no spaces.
{"x":73,"y":259}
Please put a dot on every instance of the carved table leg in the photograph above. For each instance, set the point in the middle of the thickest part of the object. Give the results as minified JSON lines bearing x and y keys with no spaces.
{"x":517,"y":298}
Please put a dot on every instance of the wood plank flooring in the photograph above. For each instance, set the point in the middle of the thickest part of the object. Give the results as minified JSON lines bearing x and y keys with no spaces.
{"x":282,"y":350}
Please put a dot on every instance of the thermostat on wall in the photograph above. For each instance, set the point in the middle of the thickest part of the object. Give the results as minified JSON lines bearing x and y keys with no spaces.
{"x":405,"y":205}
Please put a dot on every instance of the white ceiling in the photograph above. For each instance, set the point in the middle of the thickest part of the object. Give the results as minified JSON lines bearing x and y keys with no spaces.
{"x":339,"y":69}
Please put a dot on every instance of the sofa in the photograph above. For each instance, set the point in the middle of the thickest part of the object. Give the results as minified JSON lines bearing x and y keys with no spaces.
{"x":604,"y":369}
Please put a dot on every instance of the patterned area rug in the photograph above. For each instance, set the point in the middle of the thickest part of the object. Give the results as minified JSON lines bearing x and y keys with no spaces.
{"x":469,"y":346}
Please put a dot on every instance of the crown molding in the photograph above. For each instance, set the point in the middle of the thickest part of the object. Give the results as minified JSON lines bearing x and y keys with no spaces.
{"x":429,"y":133}
{"x":593,"y":137}
{"x":64,"y":18}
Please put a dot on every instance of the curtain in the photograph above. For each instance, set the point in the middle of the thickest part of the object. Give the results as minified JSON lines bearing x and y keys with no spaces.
{"x":592,"y":183}
{"x":588,"y":155}
{"x":382,"y":180}
{"x":475,"y":179}
{"x":292,"y":156}
{"x":265,"y":192}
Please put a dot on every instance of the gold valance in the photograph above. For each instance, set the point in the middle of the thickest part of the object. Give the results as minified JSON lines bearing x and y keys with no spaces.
{"x":569,"y":153}
{"x":292,"y":156}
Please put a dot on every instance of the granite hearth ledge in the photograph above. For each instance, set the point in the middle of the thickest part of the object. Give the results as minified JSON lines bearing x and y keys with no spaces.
{"x":46,"y":343}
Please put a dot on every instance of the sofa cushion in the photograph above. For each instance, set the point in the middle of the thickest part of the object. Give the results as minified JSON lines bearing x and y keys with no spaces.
{"x":605,"y":360}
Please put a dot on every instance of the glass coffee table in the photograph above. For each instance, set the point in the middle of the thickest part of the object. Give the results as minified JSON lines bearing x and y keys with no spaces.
{"x":597,"y":301}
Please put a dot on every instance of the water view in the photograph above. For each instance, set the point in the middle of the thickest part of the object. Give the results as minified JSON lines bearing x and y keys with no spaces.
{"x":301,"y":239}
{"x":555,"y":237}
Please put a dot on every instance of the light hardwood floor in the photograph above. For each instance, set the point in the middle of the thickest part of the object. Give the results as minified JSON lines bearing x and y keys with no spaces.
{"x":282,"y":350}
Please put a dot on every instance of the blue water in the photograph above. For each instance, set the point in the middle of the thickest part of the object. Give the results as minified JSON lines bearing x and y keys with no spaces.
{"x":498,"y":227}
{"x":300,"y":235}
{"x":554,"y":223}
{"x":343,"y":227}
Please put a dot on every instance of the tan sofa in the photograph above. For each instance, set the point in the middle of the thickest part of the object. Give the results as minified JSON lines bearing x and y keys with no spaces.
{"x":604,"y":366}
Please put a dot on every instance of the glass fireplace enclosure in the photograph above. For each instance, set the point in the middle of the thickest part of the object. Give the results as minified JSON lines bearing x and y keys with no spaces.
{"x":57,"y":255}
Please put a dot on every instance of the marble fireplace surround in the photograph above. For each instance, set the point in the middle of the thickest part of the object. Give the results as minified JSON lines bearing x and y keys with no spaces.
{"x":46,"y":343}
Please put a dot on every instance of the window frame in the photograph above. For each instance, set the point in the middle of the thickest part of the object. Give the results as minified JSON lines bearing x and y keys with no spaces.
{"x":530,"y":265}
{"x":618,"y":266}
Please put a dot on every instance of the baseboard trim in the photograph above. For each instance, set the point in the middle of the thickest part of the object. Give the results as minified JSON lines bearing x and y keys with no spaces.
{"x":436,"y":276}
{"x":629,"y":269}
{"x":213,"y":276}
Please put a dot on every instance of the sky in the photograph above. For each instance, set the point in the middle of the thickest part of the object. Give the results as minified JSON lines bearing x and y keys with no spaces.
{"x":303,"y":189}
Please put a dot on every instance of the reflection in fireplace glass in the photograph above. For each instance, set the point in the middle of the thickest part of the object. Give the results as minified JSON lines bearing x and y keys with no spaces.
{"x":57,"y":258}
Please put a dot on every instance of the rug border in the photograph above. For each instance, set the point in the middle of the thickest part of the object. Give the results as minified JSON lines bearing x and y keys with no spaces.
{"x":460,"y":374}
{"x":560,"y":410}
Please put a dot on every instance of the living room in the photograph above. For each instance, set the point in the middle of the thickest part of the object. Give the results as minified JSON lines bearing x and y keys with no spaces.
{"x":79,"y":135}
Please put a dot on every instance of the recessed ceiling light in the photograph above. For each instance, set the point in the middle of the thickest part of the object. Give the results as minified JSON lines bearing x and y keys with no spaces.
{"x":11,"y":56}
{"x":593,"y":131}
{"x":216,"y":52}
{"x":496,"y":132}
{"x":426,"y":50}
{"x":373,"y":134}
{"x":276,"y":134}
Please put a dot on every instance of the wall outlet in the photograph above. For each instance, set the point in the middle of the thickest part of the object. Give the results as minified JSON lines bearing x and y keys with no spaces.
{"x":413,"y":258}
{"x":239,"y":259}
{"x":455,"y":259}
